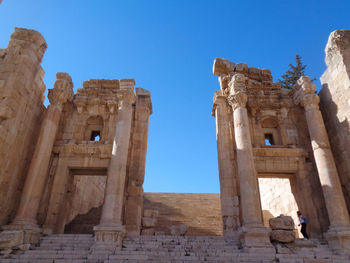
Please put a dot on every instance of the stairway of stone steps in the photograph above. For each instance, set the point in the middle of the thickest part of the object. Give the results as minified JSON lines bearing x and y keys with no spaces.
{"x":171,"y":249}
{"x":56,"y":248}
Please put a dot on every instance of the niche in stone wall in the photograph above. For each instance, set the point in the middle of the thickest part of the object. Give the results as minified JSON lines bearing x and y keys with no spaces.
{"x":93,"y":129}
{"x":270,"y":129}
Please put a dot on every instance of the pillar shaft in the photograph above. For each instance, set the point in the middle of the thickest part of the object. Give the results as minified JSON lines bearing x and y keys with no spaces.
{"x":114,"y":193}
{"x":36,"y":177}
{"x":253,"y":233}
{"x":136,"y":171}
{"x":327,"y":171}
{"x":37,"y":173}
{"x":250,"y":199}
{"x":227,"y":173}
{"x":338,"y":235}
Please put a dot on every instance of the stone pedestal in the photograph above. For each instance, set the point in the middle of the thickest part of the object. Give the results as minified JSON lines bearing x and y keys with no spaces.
{"x":253,"y":234}
{"x":25,"y":220}
{"x":338,"y":235}
{"x":111,"y":227}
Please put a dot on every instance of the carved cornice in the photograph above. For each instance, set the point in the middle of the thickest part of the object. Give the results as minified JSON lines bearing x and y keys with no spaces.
{"x":62,"y":91}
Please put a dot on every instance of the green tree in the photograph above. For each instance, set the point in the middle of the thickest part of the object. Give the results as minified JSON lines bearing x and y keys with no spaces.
{"x":290,"y":78}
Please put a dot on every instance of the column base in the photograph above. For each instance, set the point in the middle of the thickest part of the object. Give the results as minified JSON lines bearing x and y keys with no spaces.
{"x":110,"y":234}
{"x":20,"y":232}
{"x":256,"y":239}
{"x":338,"y":238}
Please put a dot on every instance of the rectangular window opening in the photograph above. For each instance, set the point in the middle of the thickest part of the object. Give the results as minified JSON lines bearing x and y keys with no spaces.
{"x":269,"y":139}
{"x":95,"y":136}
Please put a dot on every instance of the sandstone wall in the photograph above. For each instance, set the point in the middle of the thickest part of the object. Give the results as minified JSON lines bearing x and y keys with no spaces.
{"x":335,"y":103}
{"x":200,"y":212}
{"x":277,"y":198}
{"x":21,"y":111}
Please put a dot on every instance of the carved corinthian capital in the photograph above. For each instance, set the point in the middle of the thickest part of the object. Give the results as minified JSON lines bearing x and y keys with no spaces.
{"x":238,"y":100}
{"x":238,"y":97}
{"x":237,"y":83}
{"x":310,"y":101}
{"x":62,"y":91}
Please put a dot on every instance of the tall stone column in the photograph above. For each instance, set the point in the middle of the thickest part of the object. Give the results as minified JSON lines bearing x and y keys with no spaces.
{"x":226,"y":160}
{"x":338,"y":234}
{"x":136,"y":173}
{"x":253,"y":233}
{"x":35,"y":181}
{"x":111,"y":228}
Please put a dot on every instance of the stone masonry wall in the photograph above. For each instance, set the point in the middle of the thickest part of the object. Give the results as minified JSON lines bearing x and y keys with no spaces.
{"x":21,"y":111}
{"x":335,"y":103}
{"x":200,"y":212}
{"x":277,"y":198}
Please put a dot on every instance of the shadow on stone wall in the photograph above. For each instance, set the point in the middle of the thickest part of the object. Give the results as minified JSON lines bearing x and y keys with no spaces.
{"x":84,"y":223}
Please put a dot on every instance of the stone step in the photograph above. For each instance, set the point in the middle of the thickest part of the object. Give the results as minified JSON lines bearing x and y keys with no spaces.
{"x":156,"y":249}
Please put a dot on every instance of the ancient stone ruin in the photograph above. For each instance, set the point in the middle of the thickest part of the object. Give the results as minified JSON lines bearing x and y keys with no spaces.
{"x":71,"y":174}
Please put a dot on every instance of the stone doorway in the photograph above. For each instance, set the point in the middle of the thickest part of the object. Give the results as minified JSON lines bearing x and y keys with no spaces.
{"x":277,"y":197}
{"x":85,"y":200}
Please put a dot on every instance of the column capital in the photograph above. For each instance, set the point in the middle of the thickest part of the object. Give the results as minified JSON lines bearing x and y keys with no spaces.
{"x":238,"y":100}
{"x":310,"y":102}
{"x":237,"y":83}
{"x":125,"y":99}
{"x":218,"y":100}
{"x":62,"y":91}
{"x":144,"y":99}
{"x":305,"y":88}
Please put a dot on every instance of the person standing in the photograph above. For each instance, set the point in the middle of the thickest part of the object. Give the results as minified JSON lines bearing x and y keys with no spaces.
{"x":303,"y":222}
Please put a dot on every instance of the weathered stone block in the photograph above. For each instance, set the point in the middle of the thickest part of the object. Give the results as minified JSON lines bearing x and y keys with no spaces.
{"x":223,"y":67}
{"x":282,"y":223}
{"x":10,"y":239}
{"x":283,"y":236}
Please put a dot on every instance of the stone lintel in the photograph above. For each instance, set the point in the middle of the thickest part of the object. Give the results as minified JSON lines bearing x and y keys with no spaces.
{"x":223,"y":67}
{"x":127,"y":84}
{"x":279,"y":152}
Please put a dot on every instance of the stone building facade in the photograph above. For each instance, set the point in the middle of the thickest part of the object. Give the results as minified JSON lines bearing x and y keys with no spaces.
{"x":265,"y":131}
{"x":78,"y":165}
{"x":101,"y":131}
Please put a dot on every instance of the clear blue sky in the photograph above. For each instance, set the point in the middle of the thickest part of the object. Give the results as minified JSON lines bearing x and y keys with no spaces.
{"x":169,"y":48}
